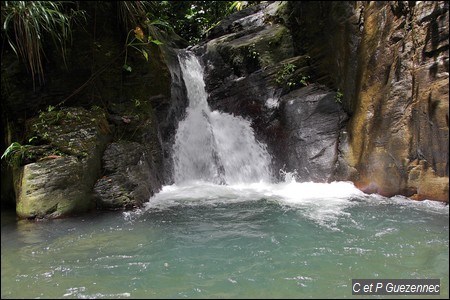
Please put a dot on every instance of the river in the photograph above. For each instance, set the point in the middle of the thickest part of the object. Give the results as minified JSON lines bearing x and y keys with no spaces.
{"x":227,"y":229}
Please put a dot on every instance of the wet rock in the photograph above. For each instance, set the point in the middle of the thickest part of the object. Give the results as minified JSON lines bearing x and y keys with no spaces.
{"x":312,"y":120}
{"x":253,"y":72}
{"x":390,"y":61}
{"x":129,"y":179}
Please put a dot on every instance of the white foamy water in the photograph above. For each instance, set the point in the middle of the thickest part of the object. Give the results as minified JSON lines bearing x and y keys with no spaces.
{"x":213,"y":146}
{"x":217,"y":161}
{"x":323,"y":203}
{"x":248,"y":238}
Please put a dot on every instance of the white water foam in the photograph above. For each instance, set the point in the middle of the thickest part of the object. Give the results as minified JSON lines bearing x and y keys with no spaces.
{"x":214,"y":146}
{"x":218,"y":160}
{"x":323,"y":203}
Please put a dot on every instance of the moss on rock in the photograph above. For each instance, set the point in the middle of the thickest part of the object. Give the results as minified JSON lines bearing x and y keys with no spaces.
{"x":61,"y":184}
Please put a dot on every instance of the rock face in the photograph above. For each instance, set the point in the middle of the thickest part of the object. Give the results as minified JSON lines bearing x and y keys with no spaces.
{"x":337,"y":90}
{"x":252,"y":70}
{"x":399,"y":130}
{"x":141,"y":110}
{"x":60,"y":183}
{"x":312,"y":122}
{"x":385,"y":63}
{"x":391,"y":62}
{"x":130,"y":177}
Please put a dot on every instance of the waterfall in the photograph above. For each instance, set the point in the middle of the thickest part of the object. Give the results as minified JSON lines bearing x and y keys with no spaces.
{"x":214,"y":146}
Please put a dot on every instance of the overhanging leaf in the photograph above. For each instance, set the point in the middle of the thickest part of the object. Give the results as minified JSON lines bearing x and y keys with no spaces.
{"x":127,"y":67}
{"x":145,"y":54}
{"x":157,"y":42}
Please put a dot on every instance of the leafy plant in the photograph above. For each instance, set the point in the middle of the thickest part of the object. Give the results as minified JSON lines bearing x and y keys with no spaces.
{"x":284,"y":73}
{"x":304,"y":79}
{"x":252,"y":52}
{"x":51,"y":116}
{"x":238,"y":5}
{"x":132,"y":13}
{"x":137,"y":35}
{"x":27,"y":24}
{"x":15,"y":154}
{"x":339,"y":96}
{"x":139,"y":39}
{"x":287,"y":75}
{"x":194,"y":19}
{"x":284,"y":76}
{"x":140,"y":15}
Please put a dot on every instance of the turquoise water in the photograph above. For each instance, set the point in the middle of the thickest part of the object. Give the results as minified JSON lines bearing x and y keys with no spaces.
{"x":288,"y":240}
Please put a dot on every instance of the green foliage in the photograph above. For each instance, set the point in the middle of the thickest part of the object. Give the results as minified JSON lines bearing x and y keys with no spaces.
{"x":48,"y":118}
{"x":248,"y":58}
{"x":15,"y":154}
{"x":238,"y":5}
{"x":339,"y":96}
{"x":286,"y":72}
{"x":288,"y":76}
{"x":138,"y":42}
{"x":138,"y":14}
{"x":252,"y":52}
{"x":29,"y":27}
{"x":133,"y":13}
{"x":192,"y":20}
{"x":26,"y":25}
{"x":51,"y":116}
{"x":137,"y":103}
{"x":304,"y":79}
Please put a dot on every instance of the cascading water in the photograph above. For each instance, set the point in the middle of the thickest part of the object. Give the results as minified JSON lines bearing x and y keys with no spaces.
{"x":248,"y":238}
{"x":214,"y":146}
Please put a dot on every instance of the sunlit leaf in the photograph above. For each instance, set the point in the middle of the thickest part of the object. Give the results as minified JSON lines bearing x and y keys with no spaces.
{"x":127,"y":67}
{"x":157,"y":42}
{"x":11,"y":149}
{"x":145,"y":54}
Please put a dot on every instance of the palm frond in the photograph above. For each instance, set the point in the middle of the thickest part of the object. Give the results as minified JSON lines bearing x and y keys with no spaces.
{"x":26,"y":24}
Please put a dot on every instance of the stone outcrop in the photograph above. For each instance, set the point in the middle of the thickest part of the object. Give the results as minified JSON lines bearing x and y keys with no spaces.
{"x":130,"y":177}
{"x":337,"y":90}
{"x":386,"y":63}
{"x":141,"y":107}
{"x":399,"y":129}
{"x":311,"y":124}
{"x":58,"y":180}
{"x":390,"y":60}
{"x":252,"y":70}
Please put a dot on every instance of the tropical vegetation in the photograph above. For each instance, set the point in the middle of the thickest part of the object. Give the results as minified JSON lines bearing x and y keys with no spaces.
{"x":29,"y":26}
{"x":38,"y":32}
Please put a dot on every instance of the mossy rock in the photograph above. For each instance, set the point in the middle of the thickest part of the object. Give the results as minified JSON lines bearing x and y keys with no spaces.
{"x":52,"y":188}
{"x":69,"y":131}
{"x":60,"y":184}
{"x":256,"y":50}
